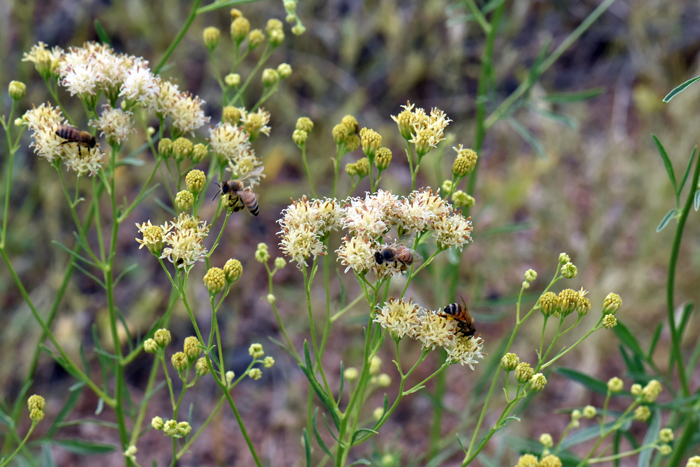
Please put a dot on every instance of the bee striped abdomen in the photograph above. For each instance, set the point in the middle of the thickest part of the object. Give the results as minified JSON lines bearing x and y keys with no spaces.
{"x":250,"y":201}
{"x":460,"y":313}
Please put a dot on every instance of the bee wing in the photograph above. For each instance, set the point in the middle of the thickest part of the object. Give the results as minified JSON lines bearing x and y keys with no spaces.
{"x":407,"y":239}
{"x":253,"y":173}
{"x":417,"y":257}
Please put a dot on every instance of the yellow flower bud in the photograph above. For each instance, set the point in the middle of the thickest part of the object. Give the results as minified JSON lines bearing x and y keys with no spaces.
{"x":371,"y":141}
{"x":298,"y":30}
{"x":509,"y":362}
{"x":375,"y":365}
{"x":270,"y":77}
{"x":192,"y":347}
{"x":350,"y":122}
{"x":589,"y":411}
{"x":351,"y":143}
{"x":538,"y":382}
{"x":184,"y":200}
{"x":378,"y":413}
{"x":546,"y":440}
{"x":362,"y":167}
{"x":36,"y":415}
{"x":383,"y":158}
{"x":568,"y":270}
{"x":255,"y":373}
{"x":609,"y":322}
{"x":523,"y":372}
{"x":284,"y":70}
{"x":150,"y":346}
{"x":268,"y":362}
{"x":666,"y":435}
{"x":636,"y":390}
{"x":651,"y":391}
{"x":528,"y":460}
{"x":215,"y":280}
{"x":305,"y":124}
{"x":195,"y":181}
{"x":179,"y":361}
{"x":465,"y":162}
{"x":550,"y":461}
{"x":182,"y":148}
{"x":157,"y":423}
{"x":17,"y":90}
{"x":351,"y":374}
{"x":162,"y":337}
{"x":202,"y":367}
{"x":275,"y":37}
{"x":568,"y":301}
{"x":255,"y":38}
{"x":446,"y":186}
{"x":384,"y":380}
{"x":256,"y":350}
{"x":36,"y":402}
{"x":549,"y":303}
{"x":232,"y":80}
{"x":642,"y":413}
{"x":211,"y":37}
{"x":233,"y":270}
{"x":462,"y":200}
{"x":611,"y":304}
{"x":615,"y":384}
{"x":564,"y":258}
{"x":340,"y":132}
{"x":299,"y":137}
{"x":199,"y":152}
{"x":240,"y":27}
{"x":280,"y":263}
{"x":235,"y":13}
{"x":165,"y":147}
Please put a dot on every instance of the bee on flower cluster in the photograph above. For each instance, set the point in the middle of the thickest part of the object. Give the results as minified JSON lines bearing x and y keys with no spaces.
{"x":399,"y":254}
{"x":244,"y":195}
{"x":460,"y":313}
{"x":73,"y":135}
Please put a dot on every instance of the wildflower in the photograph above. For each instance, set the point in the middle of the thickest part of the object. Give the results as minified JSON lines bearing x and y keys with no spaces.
{"x":182,"y":148}
{"x":352,"y":142}
{"x":192,"y":347}
{"x":523,"y":372}
{"x":256,"y":122}
{"x":568,"y":270}
{"x":568,"y":300}
{"x":609,"y":322}
{"x":256,"y":351}
{"x":435,"y":331}
{"x":371,"y":141}
{"x":16,"y":90}
{"x":232,"y":80}
{"x":665,"y":449}
{"x":636,"y":390}
{"x":184,"y":200}
{"x":528,"y":460}
{"x":351,"y":374}
{"x":350,"y":122}
{"x":240,"y":27}
{"x":375,"y":365}
{"x":589,"y":411}
{"x":405,"y":120}
{"x":446,"y":186}
{"x":546,"y":440}
{"x":139,"y":85}
{"x":615,"y":384}
{"x":230,"y":142}
{"x":261,"y":254}
{"x":666,"y":435}
{"x":550,"y":461}
{"x":170,"y":428}
{"x":465,"y":350}
{"x":215,"y":280}
{"x":165,"y":147}
{"x":211,"y":36}
{"x":195,"y":181}
{"x":255,"y":38}
{"x":229,"y":377}
{"x":187,"y":114}
{"x":564,"y":258}
{"x":611,"y":304}
{"x":275,"y":35}
{"x":576,"y":415}
{"x":383,"y":158}
{"x":233,"y":270}
{"x":36,"y":415}
{"x":114,"y":124}
{"x":157,"y":423}
{"x":271,"y":299}
{"x":150,"y":346}
{"x":509,"y":362}
{"x":299,"y":137}
{"x":162,"y":337}
{"x":351,"y":169}
{"x":284,"y":70}
{"x":452,"y":231}
{"x":183,"y":429}
{"x":152,"y":237}
{"x":305,"y":124}
{"x":300,"y":243}
{"x":199,"y":152}
{"x":378,"y":413}
{"x":537,"y":382}
{"x":131,"y":453}
{"x":43,"y":121}
{"x":362,"y":167}
{"x":185,"y":241}
{"x":268,"y":362}
{"x":202,"y":367}
{"x":384,"y":380}
{"x":693,"y":462}
{"x":255,"y":373}
{"x":231,"y":114}
{"x":651,"y":391}
{"x":464,"y":163}
{"x":462,"y":200}
{"x":179,"y":361}
{"x":280,"y":263}
{"x":45,"y":61}
{"x":36,"y":402}
{"x":642,"y":413}
{"x":340,"y":132}
{"x":428,"y":130}
{"x":584,"y":304}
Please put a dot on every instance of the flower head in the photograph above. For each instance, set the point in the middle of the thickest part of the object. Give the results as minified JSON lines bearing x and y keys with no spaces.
{"x":400,"y":317}
{"x":43,"y":121}
{"x":114,"y":124}
{"x":185,"y":241}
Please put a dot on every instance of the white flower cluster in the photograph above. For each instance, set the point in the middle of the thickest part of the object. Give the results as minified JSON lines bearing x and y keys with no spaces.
{"x":184,"y":240}
{"x":231,"y":142}
{"x":426,"y":130}
{"x":405,"y":318}
{"x":367,"y":221}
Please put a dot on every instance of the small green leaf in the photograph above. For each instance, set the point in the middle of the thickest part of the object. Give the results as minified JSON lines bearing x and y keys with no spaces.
{"x":361,"y":462}
{"x":461,"y":445}
{"x":623,"y":333}
{"x":101,"y":33}
{"x":667,"y":163}
{"x":696,"y":199}
{"x":588,"y":381}
{"x":588,"y":433}
{"x":685,"y":316}
{"x":131,"y":161}
{"x":529,"y":137}
{"x":319,"y":440}
{"x":687,"y":169}
{"x":654,"y":340}
{"x":342,"y":381}
{"x":369,"y":432}
{"x":680,"y":88}
{"x":667,"y":218}
{"x":84,"y":448}
{"x":557,"y":117}
{"x":562,"y":97}
{"x":328,"y":427}
{"x":651,"y":436}
{"x":307,"y":447}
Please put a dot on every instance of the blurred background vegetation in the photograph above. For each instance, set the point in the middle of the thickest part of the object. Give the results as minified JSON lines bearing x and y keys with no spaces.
{"x":592,"y":185}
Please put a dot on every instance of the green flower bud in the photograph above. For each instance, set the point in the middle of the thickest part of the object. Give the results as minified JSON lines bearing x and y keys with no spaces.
{"x":179,"y":361}
{"x":465,"y":162}
{"x":284,"y":70}
{"x":568,"y":270}
{"x":280,"y":263}
{"x":150,"y":346}
{"x":162,"y":337}
{"x":546,"y":440}
{"x":233,"y":270}
{"x":268,"y":362}
{"x":211,"y":37}
{"x":232,"y":80}
{"x":157,"y":423}
{"x":509,"y":362}
{"x":202,"y":367}
{"x":609,"y":322}
{"x":256,"y":351}
{"x":549,"y":303}
{"x":255,"y":373}
{"x":362,"y":167}
{"x":351,"y":143}
{"x":538,"y":382}
{"x":195,"y":181}
{"x":184,"y":200}
{"x":299,"y":137}
{"x":611,"y":304}
{"x":615,"y":384}
{"x":17,"y":90}
{"x":165,"y":147}
{"x":462,"y":200}
{"x":350,"y":122}
{"x":240,"y":27}
{"x":215,"y":280}
{"x":589,"y":411}
{"x":568,"y":301}
{"x":383,"y":158}
{"x":305,"y":124}
{"x":192,"y":347}
{"x":255,"y":38}
{"x":523,"y":372}
{"x":371,"y":141}
{"x":642,"y":413}
{"x":36,"y":402}
{"x":182,"y":148}
{"x":270,"y":77}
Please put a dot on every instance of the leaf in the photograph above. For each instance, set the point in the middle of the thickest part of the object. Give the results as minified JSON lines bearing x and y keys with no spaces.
{"x":529,"y":137}
{"x":591,"y":432}
{"x":360,"y":462}
{"x":307,"y":447}
{"x":654,"y":340}
{"x":557,"y":117}
{"x":83,"y":448}
{"x":680,"y":88}
{"x":667,"y":218}
{"x":131,"y":161}
{"x":632,"y":365}
{"x":317,"y":386}
{"x":65,"y":411}
{"x":561,"y":97}
{"x":461,"y":445}
{"x":47,"y":455}
{"x":342,"y":382}
{"x":667,"y":163}
{"x":101,"y":33}
{"x":696,"y":200}
{"x":685,"y":317}
{"x":623,"y":333}
{"x":687,"y":169}
{"x":360,"y":431}
{"x":319,"y":440}
{"x":588,"y":381}
{"x":6,"y":420}
{"x":486,"y":461}
{"x":328,"y":427}
{"x":651,"y":436}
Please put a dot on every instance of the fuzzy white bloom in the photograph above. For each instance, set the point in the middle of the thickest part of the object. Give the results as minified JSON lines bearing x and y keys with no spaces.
{"x":39,"y":55}
{"x":140,"y":85}
{"x":454,"y":230}
{"x":432,"y":205}
{"x":231,"y":143}
{"x":184,"y":241}
{"x":188,"y":114}
{"x":301,"y":243}
{"x":400,"y":317}
{"x":412,"y":217}
{"x":465,"y":350}
{"x":83,"y":160}
{"x":323,"y":215}
{"x":114,"y":124}
{"x":357,"y":253}
{"x":80,"y":79}
{"x":435,"y":330}
{"x":256,"y":122}
{"x":166,"y":98}
{"x":43,"y":121}
{"x":364,"y":218}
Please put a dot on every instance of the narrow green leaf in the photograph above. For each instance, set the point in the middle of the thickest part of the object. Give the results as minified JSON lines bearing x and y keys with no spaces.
{"x":529,"y":137}
{"x":84,"y":448}
{"x":125,"y":272}
{"x":131,"y":161}
{"x":667,"y":163}
{"x":557,"y":117}
{"x":631,"y":364}
{"x":563,"y":97}
{"x":696,"y":199}
{"x":320,"y":392}
{"x":6,"y":420}
{"x":65,"y":411}
{"x":586,"y":434}
{"x":461,"y":445}
{"x":167,"y":208}
{"x":307,"y":447}
{"x":369,"y":432}
{"x":328,"y":427}
{"x":687,"y":169}
{"x":486,"y":461}
{"x":651,"y":436}
{"x":623,"y":333}
{"x":667,"y":218}
{"x":588,"y":381}
{"x":654,"y":340}
{"x":360,"y":462}
{"x":680,"y":88}
{"x":685,"y":317}
{"x":47,"y":455}
{"x":342,"y":381}
{"x":317,"y":435}
{"x":72,"y":253}
{"x":101,"y":33}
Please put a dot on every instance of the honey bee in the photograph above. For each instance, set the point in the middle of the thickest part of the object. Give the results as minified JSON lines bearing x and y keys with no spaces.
{"x":73,"y":135}
{"x":244,"y":194}
{"x":398,"y":253}
{"x":460,"y":313}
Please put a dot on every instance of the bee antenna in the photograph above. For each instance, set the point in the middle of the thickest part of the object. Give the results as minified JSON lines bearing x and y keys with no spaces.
{"x":218,"y":191}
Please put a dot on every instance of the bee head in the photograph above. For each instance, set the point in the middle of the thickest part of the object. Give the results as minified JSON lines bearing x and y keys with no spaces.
{"x":378,"y":257}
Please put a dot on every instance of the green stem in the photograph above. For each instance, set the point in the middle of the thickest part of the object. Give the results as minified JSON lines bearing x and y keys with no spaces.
{"x":21,"y":445}
{"x":308,"y":172}
{"x":178,"y":38}
{"x":622,"y":454}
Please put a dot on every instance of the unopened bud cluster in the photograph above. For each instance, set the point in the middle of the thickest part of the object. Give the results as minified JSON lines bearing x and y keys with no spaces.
{"x":261,"y":254}
{"x":171,"y":427}
{"x":464,"y":163}
{"x":215,"y":280}
{"x":301,"y":133}
{"x":36,"y":406}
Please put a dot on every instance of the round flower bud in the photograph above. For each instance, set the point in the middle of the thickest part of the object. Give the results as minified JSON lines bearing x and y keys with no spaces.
{"x":538,"y":382}
{"x":378,"y":413}
{"x":151,"y":131}
{"x":299,"y":137}
{"x":568,"y":301}
{"x":36,"y":402}
{"x":564,"y":258}
{"x":276,"y":37}
{"x":523,"y":372}
{"x":665,"y":449}
{"x":589,"y":411}
{"x":530,"y":275}
{"x":195,"y":180}
{"x":351,"y":374}
{"x":546,"y":440}
{"x":340,"y":132}
{"x":693,"y":462}
{"x":549,"y":303}
{"x":615,"y":384}
{"x":642,"y":413}
{"x":235,"y":13}
{"x":284,"y":70}
{"x":350,"y":122}
{"x":255,"y":38}
{"x":240,"y":27}
{"x":465,"y":162}
{"x":351,"y":143}
{"x":462,"y":200}
{"x":17,"y":90}
{"x":384,"y":380}
{"x":371,"y":140}
{"x":256,"y":350}
{"x":584,"y":306}
{"x":298,"y":30}
{"x":192,"y":347}
{"x":157,"y":423}
{"x":201,"y":367}
{"x":404,"y":121}
{"x":211,"y":37}
{"x":199,"y":152}
{"x":162,"y":337}
{"x":271,"y":299}
{"x":36,"y":415}
{"x":268,"y":362}
{"x":651,"y":391}
{"x":215,"y":280}
{"x":446,"y":186}
{"x":569,"y":271}
{"x":272,"y":25}
{"x":19,"y":122}
{"x":528,"y":460}
{"x":179,"y":361}
{"x":383,"y":158}
{"x":509,"y":362}
{"x":375,"y":365}
{"x":280,"y":263}
{"x":150,"y":346}
{"x":183,"y":429}
{"x":182,"y":148}
{"x":388,"y":460}
{"x":305,"y":124}
{"x":270,"y":77}
{"x":184,"y":200}
{"x":636,"y":390}
{"x":609,"y":322}
{"x":170,"y":428}
{"x":261,"y":254}
{"x":550,"y":461}
{"x":165,"y":147}
{"x":362,"y":167}
{"x":611,"y":304}
{"x":232,"y":80}
{"x":255,"y":373}
{"x":576,"y":415}
{"x":351,"y":169}
{"x":229,"y":377}
{"x":666,"y":435}
{"x":526,"y":285}
{"x":233,"y":270}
